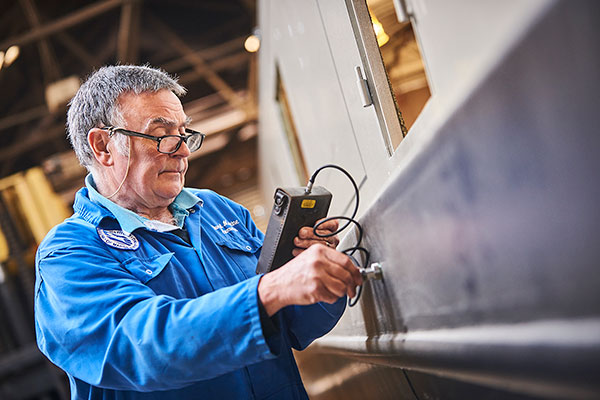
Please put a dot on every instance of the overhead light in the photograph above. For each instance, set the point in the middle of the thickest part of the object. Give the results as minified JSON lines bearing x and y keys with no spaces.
{"x":252,"y":44}
{"x":11,"y":55}
{"x":59,"y":93}
{"x":382,"y":37}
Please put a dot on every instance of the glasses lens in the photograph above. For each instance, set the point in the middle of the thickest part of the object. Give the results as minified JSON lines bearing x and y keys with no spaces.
{"x":195,"y":141}
{"x":168,"y":144}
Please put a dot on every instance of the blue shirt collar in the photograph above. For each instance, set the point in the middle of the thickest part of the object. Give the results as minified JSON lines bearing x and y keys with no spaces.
{"x":130,"y":221}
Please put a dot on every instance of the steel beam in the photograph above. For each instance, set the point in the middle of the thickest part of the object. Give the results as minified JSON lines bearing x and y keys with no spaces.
{"x":199,"y":64}
{"x":23,"y":117}
{"x":128,"y":38}
{"x":78,"y":50}
{"x":61,"y":24}
{"x":51,"y":69}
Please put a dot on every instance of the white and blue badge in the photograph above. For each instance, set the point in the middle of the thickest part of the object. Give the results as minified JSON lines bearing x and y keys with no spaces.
{"x":118,"y":239}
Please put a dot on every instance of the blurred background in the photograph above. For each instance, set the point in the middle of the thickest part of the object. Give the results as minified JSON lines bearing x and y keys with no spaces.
{"x":46,"y":49}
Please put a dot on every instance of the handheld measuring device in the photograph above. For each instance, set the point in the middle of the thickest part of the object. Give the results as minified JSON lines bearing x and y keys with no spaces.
{"x":293,"y":208}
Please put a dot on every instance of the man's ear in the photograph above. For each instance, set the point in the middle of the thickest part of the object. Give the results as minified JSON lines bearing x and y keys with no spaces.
{"x":98,"y":140}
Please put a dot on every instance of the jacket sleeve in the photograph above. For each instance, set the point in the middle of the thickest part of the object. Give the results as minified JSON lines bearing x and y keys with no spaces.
{"x":303,"y":324}
{"x":307,"y":323}
{"x":103,"y":326}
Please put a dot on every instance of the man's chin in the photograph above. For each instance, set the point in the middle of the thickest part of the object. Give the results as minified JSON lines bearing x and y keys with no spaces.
{"x":169,"y":184}
{"x":168,"y":193}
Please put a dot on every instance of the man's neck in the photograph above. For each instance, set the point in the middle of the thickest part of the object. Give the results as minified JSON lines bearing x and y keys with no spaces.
{"x":162,"y":214}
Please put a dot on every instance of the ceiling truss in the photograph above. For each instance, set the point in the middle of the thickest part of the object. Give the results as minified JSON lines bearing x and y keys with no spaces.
{"x":209,"y":60}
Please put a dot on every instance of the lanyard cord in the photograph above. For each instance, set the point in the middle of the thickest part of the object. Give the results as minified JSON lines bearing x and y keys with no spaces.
{"x":126,"y":171}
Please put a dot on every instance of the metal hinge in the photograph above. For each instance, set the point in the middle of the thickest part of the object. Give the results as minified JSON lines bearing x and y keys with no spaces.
{"x":363,"y":88}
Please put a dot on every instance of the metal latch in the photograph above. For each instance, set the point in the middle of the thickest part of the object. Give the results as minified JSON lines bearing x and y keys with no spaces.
{"x":363,"y":88}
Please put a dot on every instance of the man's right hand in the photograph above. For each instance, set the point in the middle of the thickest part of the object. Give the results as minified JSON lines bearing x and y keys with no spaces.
{"x":318,"y":274}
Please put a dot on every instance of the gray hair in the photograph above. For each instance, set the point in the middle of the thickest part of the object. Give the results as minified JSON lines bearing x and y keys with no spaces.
{"x":95,"y":104}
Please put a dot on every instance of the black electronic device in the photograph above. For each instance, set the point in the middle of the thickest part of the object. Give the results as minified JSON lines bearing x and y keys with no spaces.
{"x":293,"y":208}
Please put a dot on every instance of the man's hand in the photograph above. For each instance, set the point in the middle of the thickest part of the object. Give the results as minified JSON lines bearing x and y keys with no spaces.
{"x":306,"y":237}
{"x":318,"y":274}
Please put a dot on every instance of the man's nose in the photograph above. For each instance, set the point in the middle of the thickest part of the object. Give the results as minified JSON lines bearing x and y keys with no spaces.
{"x":182,"y":151}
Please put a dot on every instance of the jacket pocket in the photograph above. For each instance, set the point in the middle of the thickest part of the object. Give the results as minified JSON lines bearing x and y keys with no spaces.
{"x":243,"y":250}
{"x":146,"y":269}
{"x":247,"y":244}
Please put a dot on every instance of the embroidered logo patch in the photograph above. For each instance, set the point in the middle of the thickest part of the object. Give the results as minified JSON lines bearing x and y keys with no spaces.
{"x":226,"y":226}
{"x":118,"y":239}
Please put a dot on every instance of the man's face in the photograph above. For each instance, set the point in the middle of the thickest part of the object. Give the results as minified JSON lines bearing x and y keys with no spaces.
{"x":154,"y":179}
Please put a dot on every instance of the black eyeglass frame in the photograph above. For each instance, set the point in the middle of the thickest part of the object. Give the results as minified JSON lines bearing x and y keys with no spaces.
{"x":112,"y":130}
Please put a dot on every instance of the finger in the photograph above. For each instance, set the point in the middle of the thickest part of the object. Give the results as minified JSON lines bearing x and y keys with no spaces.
{"x":339,"y":273}
{"x":338,"y":265}
{"x":334,"y":240}
{"x":333,"y":286}
{"x":305,"y":232}
{"x":308,"y":233}
{"x":345,"y":262}
{"x":319,"y":290}
{"x":326,"y":229}
{"x":331,"y":225}
{"x":321,"y":233}
{"x":306,"y":243}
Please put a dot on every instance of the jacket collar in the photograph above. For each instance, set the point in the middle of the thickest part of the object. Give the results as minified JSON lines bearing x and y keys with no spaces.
{"x":94,"y":207}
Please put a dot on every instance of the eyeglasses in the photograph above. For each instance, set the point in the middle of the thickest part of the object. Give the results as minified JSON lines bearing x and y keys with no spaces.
{"x":167,"y":144}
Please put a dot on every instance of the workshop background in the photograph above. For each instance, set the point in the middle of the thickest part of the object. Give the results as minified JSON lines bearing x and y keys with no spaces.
{"x":46,"y":49}
{"x":469,"y":126}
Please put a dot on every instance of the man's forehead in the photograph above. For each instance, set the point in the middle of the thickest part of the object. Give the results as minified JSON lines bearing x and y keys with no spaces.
{"x":153,"y":108}
{"x":168,"y":121}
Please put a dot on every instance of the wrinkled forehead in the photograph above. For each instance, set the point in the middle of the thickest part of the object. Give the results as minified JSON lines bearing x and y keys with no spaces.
{"x":160,"y":121}
{"x":146,"y":109}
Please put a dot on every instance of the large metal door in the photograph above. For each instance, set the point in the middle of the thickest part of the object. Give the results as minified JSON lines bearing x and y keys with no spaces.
{"x":305,"y":65}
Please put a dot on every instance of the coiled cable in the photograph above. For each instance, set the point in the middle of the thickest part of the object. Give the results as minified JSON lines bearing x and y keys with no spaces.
{"x":350,"y":220}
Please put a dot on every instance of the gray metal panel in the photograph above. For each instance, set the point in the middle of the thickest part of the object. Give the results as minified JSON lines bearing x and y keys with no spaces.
{"x":489,"y":237}
{"x":301,"y":49}
{"x":364,"y":120}
{"x":277,"y":165}
{"x":375,"y":73}
{"x":460,"y":40}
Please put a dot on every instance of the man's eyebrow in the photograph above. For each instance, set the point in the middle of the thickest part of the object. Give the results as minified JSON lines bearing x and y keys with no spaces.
{"x":167,"y":122}
{"x":162,"y":121}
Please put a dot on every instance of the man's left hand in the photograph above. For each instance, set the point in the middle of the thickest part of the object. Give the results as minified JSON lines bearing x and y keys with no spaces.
{"x":306,"y":237}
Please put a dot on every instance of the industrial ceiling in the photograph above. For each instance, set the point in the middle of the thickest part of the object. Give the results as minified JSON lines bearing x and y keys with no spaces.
{"x":48,"y":46}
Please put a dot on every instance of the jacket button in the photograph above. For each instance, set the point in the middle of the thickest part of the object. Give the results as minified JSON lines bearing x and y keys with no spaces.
{"x":248,"y":248}
{"x":149,"y":272}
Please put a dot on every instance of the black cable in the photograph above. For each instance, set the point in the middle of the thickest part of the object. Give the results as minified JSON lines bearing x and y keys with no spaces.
{"x":349,"y":251}
{"x":366,"y":263}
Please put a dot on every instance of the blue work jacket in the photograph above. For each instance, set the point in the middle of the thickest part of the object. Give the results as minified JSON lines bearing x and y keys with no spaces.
{"x":147,"y":315}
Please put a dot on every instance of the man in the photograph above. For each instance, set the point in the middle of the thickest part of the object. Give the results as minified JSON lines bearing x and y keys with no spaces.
{"x":148,"y":291}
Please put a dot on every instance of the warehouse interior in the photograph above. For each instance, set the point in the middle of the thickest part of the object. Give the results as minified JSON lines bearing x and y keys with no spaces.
{"x":47,"y":48}
{"x":472,"y":153}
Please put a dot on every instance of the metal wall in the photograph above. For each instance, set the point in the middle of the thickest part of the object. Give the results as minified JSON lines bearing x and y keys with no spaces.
{"x":485,"y":218}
